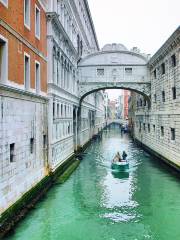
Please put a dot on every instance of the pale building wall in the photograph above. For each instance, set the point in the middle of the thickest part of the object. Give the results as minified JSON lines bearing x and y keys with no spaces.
{"x":70,"y":36}
{"x":21,"y":119}
{"x":166,"y":113}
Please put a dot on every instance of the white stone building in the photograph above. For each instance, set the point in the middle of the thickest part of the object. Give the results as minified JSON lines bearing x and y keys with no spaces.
{"x":70,"y":36}
{"x":158,"y":126}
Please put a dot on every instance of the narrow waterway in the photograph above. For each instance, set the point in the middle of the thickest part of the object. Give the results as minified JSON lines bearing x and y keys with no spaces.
{"x":98,"y":204}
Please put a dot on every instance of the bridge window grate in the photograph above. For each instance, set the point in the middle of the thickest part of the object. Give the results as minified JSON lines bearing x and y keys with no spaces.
{"x":100,"y":72}
{"x":128,"y":71}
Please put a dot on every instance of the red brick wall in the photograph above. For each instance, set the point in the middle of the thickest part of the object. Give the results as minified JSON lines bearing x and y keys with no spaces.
{"x":126,"y":97}
{"x":14,"y":17}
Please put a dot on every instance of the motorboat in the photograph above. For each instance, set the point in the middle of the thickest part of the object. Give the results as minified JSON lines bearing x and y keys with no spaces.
{"x":119,"y":164}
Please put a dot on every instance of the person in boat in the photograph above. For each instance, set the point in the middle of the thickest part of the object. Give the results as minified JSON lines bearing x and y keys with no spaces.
{"x":124,"y":155}
{"x":117,"y":158}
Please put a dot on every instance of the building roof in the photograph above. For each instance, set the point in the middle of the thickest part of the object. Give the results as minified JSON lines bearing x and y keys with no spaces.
{"x":114,"y":47}
{"x":91,"y":22}
{"x":171,"y":42}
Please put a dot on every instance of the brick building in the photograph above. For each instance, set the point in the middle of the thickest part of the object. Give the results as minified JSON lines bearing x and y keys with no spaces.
{"x":23,"y":90}
{"x":125,"y":107}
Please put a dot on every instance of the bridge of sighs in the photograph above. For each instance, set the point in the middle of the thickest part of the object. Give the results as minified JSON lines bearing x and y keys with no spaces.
{"x":114,"y":67}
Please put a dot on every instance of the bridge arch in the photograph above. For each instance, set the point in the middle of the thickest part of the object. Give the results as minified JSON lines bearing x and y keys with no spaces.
{"x":114,"y":67}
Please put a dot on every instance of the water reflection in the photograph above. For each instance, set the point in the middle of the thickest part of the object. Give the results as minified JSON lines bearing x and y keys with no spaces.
{"x":120,"y":175}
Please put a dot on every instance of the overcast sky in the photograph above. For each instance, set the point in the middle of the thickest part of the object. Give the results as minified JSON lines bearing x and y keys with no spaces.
{"x":146,"y":24}
{"x":143,"y":23}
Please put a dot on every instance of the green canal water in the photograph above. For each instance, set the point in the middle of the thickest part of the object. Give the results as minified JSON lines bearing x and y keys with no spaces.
{"x":98,"y":204}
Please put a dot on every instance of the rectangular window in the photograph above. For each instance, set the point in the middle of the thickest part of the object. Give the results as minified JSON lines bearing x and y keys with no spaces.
{"x":139,"y":126}
{"x":149,"y":128}
{"x":100,"y":72}
{"x":4,"y":2}
{"x":144,"y":102}
{"x":12,"y":152}
{"x":155,"y":74}
{"x":144,"y":126}
{"x":174,"y":93}
{"x":3,"y":59}
{"x":163,"y":96}
{"x":26,"y":71}
{"x":31,"y":145}
{"x":162,"y":131}
{"x":163,"y":70}
{"x":44,"y":141}
{"x":37,"y":77}
{"x":128,"y":71}
{"x":155,"y":98}
{"x":27,"y":13}
{"x":173,"y":136}
{"x":173,"y":60}
{"x":37,"y":22}
{"x":140,"y":102}
{"x":53,"y":110}
{"x":154,"y":128}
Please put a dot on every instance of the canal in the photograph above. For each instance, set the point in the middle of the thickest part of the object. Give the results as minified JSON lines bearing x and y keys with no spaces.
{"x":98,"y":204}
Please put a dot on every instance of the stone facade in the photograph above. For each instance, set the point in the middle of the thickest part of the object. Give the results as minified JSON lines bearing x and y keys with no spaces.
{"x":158,"y":126}
{"x":70,"y":37}
{"x":111,"y":69}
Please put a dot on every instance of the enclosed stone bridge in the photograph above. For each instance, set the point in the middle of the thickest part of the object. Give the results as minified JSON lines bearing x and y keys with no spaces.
{"x":114,"y":68}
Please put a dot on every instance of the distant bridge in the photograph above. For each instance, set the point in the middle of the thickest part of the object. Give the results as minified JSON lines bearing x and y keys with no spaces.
{"x":118,"y":121}
{"x":120,"y":69}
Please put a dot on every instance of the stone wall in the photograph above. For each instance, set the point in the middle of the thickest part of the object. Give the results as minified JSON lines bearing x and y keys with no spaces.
{"x":23,"y":145}
{"x":158,"y":126}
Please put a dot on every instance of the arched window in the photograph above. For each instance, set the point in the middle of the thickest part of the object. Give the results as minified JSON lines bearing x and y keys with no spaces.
{"x":68,"y":128}
{"x":53,"y":110}
{"x":58,"y":68}
{"x":65,"y":74}
{"x":62,"y":72}
{"x":68,"y":75}
{"x":61,"y":110}
{"x":140,"y":102}
{"x":68,"y":110}
{"x":58,"y":110}
{"x":54,"y":66}
{"x":64,"y":110}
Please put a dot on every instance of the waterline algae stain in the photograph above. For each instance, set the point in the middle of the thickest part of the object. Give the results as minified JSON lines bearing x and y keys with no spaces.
{"x":97,"y":203}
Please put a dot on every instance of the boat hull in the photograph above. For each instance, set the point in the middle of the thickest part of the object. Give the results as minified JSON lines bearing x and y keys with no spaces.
{"x":120,"y":166}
